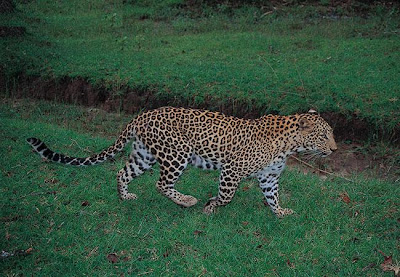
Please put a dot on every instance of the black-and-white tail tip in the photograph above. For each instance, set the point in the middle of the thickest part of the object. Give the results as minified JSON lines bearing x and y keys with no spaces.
{"x":50,"y":155}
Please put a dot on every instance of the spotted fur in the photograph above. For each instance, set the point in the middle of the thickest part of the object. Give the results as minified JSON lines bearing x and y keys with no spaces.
{"x":176,"y":137}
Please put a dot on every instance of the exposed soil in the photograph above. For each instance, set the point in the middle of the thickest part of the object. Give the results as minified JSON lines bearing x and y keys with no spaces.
{"x":351,"y":158}
{"x":79,"y":91}
{"x":12,"y":31}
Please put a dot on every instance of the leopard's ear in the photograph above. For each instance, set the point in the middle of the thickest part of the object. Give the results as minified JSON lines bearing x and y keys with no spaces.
{"x":305,"y":125}
{"x":313,"y":112}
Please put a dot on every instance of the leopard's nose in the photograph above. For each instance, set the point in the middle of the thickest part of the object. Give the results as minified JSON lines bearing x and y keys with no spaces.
{"x":332,"y":145}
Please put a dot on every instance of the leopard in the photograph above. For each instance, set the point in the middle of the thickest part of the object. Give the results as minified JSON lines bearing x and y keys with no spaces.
{"x":175,"y":137}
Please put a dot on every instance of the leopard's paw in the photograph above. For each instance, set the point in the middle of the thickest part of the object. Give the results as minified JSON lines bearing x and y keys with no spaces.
{"x":283,"y":212}
{"x":208,"y":210}
{"x":209,"y":207}
{"x":188,"y":201}
{"x":128,"y":196}
{"x":185,"y":201}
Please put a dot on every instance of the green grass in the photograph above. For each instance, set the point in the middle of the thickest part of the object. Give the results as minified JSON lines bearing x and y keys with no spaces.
{"x":236,"y":59}
{"x":73,"y":219}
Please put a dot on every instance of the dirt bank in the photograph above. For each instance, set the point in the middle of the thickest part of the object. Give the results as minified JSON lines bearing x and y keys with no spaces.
{"x":79,"y":91}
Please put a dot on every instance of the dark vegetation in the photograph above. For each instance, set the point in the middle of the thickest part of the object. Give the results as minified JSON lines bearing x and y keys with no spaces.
{"x":7,"y":6}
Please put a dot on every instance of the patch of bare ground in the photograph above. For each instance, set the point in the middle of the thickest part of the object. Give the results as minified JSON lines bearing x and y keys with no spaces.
{"x":351,"y":159}
{"x":12,"y":31}
{"x":353,"y":156}
{"x":80,"y":92}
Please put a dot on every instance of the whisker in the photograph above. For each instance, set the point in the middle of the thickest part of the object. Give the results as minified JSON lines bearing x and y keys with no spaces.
{"x":312,"y":158}
{"x":312,"y":155}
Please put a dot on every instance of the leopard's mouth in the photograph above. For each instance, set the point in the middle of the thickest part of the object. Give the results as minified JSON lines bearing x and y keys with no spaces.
{"x":326,"y":153}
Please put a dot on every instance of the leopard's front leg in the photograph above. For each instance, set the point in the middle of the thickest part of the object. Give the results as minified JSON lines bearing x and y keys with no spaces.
{"x":269,"y":184}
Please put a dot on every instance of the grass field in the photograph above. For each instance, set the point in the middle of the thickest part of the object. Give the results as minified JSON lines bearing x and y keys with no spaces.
{"x":65,"y":221}
{"x":285,"y":61}
{"x":69,"y":221}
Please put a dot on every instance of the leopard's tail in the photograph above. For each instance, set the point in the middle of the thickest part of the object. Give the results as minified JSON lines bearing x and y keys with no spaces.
{"x":104,"y":155}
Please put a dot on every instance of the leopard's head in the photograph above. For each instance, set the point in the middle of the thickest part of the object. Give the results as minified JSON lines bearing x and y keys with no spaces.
{"x":317,"y":135}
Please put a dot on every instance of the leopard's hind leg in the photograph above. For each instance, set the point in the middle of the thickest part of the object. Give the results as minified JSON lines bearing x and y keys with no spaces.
{"x":228,"y":184}
{"x":139,"y":161}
